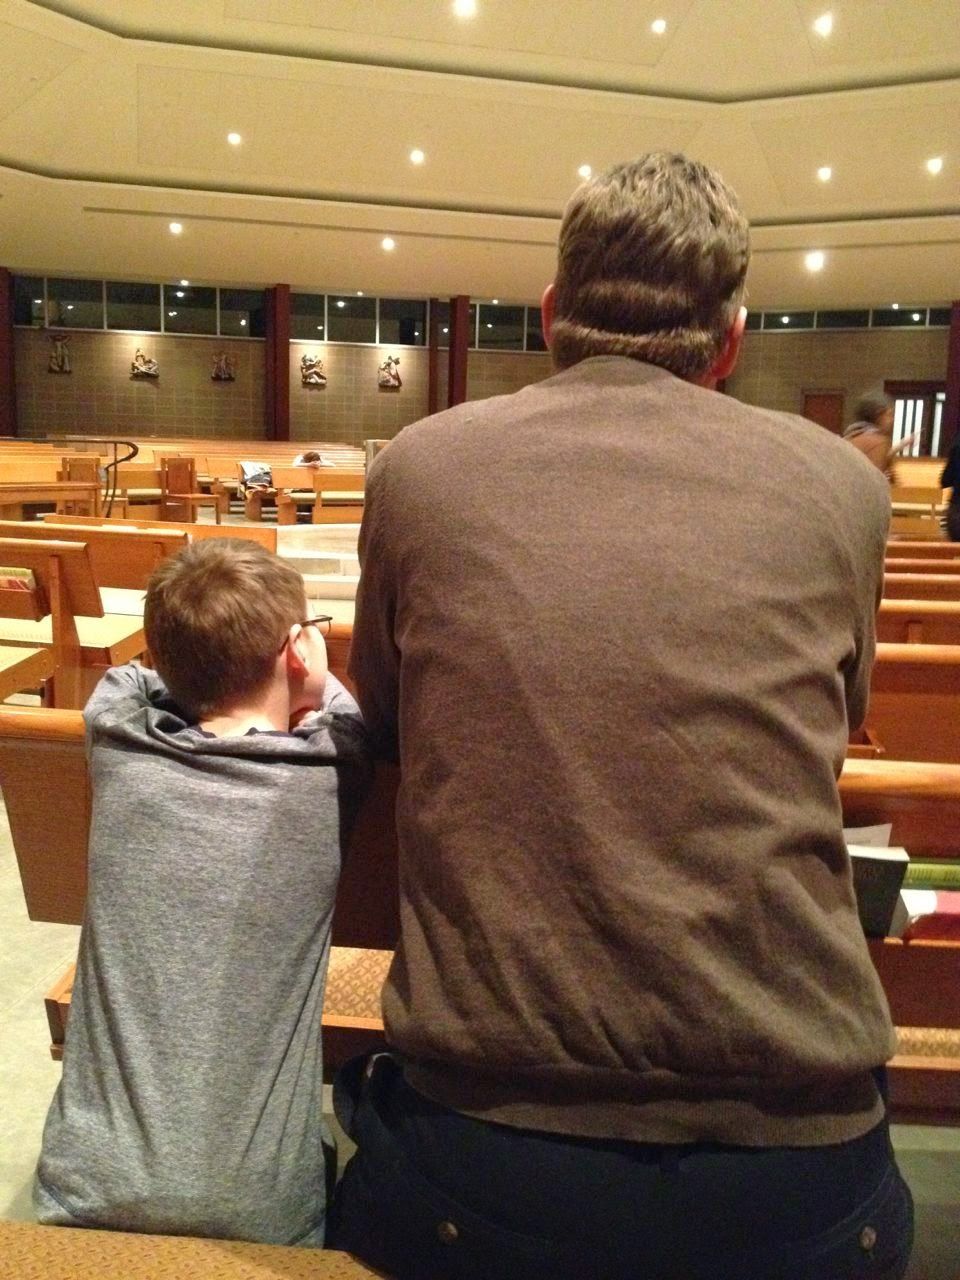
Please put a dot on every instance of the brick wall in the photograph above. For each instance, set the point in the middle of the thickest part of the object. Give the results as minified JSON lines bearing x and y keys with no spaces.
{"x":352,"y":408}
{"x":99,"y":397}
{"x":775,"y":369}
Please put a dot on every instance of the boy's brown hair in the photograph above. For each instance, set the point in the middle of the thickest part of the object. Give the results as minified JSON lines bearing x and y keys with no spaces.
{"x":215,"y":618}
{"x":653,"y":256}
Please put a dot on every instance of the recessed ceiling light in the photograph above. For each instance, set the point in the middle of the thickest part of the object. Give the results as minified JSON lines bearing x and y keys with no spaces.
{"x":242,"y":322}
{"x":915,"y":315}
{"x":824,"y":24}
{"x":824,"y":173}
{"x":658,"y":26}
{"x":388,"y":244}
{"x":359,"y":293}
{"x":585,"y":172}
{"x":446,"y":331}
{"x":320,"y":327}
{"x":894,"y":306}
{"x":784,"y":319}
{"x":465,"y":8}
{"x":417,"y":156}
{"x":495,"y":301}
{"x":180,"y":293}
{"x":185,"y":283}
{"x":934,"y":165}
{"x":38,"y":302}
{"x":69,"y":306}
{"x":416,"y":333}
{"x":815,"y":261}
{"x":234,"y":139}
{"x":489,"y":326}
{"x":171,"y":313}
{"x":341,"y":303}
{"x":176,"y":228}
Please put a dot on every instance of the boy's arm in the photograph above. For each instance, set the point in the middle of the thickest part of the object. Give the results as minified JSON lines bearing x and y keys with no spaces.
{"x":129,"y":687}
{"x":336,"y":699}
{"x":374,"y":658}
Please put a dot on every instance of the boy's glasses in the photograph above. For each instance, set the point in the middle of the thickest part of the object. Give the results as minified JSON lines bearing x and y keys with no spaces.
{"x":321,"y":622}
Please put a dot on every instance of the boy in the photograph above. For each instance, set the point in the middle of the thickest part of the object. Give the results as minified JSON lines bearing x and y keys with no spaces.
{"x":191,"y":1094}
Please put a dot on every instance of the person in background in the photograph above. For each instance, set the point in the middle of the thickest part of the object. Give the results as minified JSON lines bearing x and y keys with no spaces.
{"x":872,"y":431}
{"x":950,"y":479}
{"x":311,"y":459}
{"x":635,"y":1027}
{"x":224,"y":786}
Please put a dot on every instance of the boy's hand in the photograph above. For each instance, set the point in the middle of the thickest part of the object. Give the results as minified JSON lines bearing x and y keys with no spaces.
{"x":299,"y":716}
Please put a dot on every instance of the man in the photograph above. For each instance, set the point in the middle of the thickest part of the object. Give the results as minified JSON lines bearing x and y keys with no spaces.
{"x":616,"y":628}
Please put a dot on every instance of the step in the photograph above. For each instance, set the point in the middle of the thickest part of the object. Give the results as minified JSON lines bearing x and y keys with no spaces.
{"x":314,"y":562}
{"x":334,"y":586}
{"x":320,"y":561}
{"x":339,"y":539}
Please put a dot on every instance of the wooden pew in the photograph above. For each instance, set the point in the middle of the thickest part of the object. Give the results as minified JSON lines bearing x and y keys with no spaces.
{"x":923,"y":550}
{"x":69,"y":1253}
{"x":265,"y":535}
{"x":15,"y":495}
{"x":919,"y":564}
{"x":63,"y":612}
{"x":921,"y":586}
{"x":915,"y":701}
{"x":334,"y":494}
{"x":919,"y":621}
{"x":122,"y":559}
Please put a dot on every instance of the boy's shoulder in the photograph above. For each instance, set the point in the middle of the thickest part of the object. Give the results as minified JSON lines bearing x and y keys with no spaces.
{"x":131,"y":707}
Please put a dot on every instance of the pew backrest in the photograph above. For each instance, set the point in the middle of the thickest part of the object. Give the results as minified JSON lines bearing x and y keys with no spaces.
{"x":921,"y":586}
{"x":37,"y":744}
{"x":120,"y":557}
{"x":265,"y":535}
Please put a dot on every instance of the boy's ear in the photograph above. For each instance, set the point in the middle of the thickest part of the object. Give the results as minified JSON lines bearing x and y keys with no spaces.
{"x":296,"y":663}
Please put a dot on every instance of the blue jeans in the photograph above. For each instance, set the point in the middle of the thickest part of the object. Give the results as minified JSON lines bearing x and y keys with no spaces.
{"x":435,"y":1195}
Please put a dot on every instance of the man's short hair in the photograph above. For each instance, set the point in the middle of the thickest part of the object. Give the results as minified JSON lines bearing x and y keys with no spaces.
{"x":311,"y":456}
{"x":215,"y":617}
{"x":872,"y":405}
{"x":652,"y":260}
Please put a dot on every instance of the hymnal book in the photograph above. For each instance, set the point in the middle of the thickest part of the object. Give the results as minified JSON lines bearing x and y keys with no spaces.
{"x":930,"y":913}
{"x":877,"y":880}
{"x":939,"y":873}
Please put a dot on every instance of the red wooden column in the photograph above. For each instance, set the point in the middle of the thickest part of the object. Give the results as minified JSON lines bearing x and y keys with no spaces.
{"x":433,"y":359}
{"x":459,"y":342}
{"x":951,"y":408}
{"x":8,"y":390}
{"x":277,"y":363}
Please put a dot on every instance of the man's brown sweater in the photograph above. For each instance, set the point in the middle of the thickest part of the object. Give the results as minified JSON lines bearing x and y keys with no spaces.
{"x":618,"y":627}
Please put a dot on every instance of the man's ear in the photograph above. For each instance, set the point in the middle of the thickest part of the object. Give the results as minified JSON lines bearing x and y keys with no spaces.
{"x":547,"y":304}
{"x":726,"y":361}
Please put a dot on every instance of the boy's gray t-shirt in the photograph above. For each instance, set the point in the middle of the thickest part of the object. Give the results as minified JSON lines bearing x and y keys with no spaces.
{"x":191,"y":1093}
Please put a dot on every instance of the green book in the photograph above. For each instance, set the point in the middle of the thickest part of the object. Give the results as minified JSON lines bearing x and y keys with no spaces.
{"x":942,"y":873}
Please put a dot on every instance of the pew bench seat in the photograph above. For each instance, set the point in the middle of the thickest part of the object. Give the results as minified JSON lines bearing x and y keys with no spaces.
{"x":104,"y":642}
{"x":23,"y":669}
{"x":124,"y":602}
{"x":30,"y":1252}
